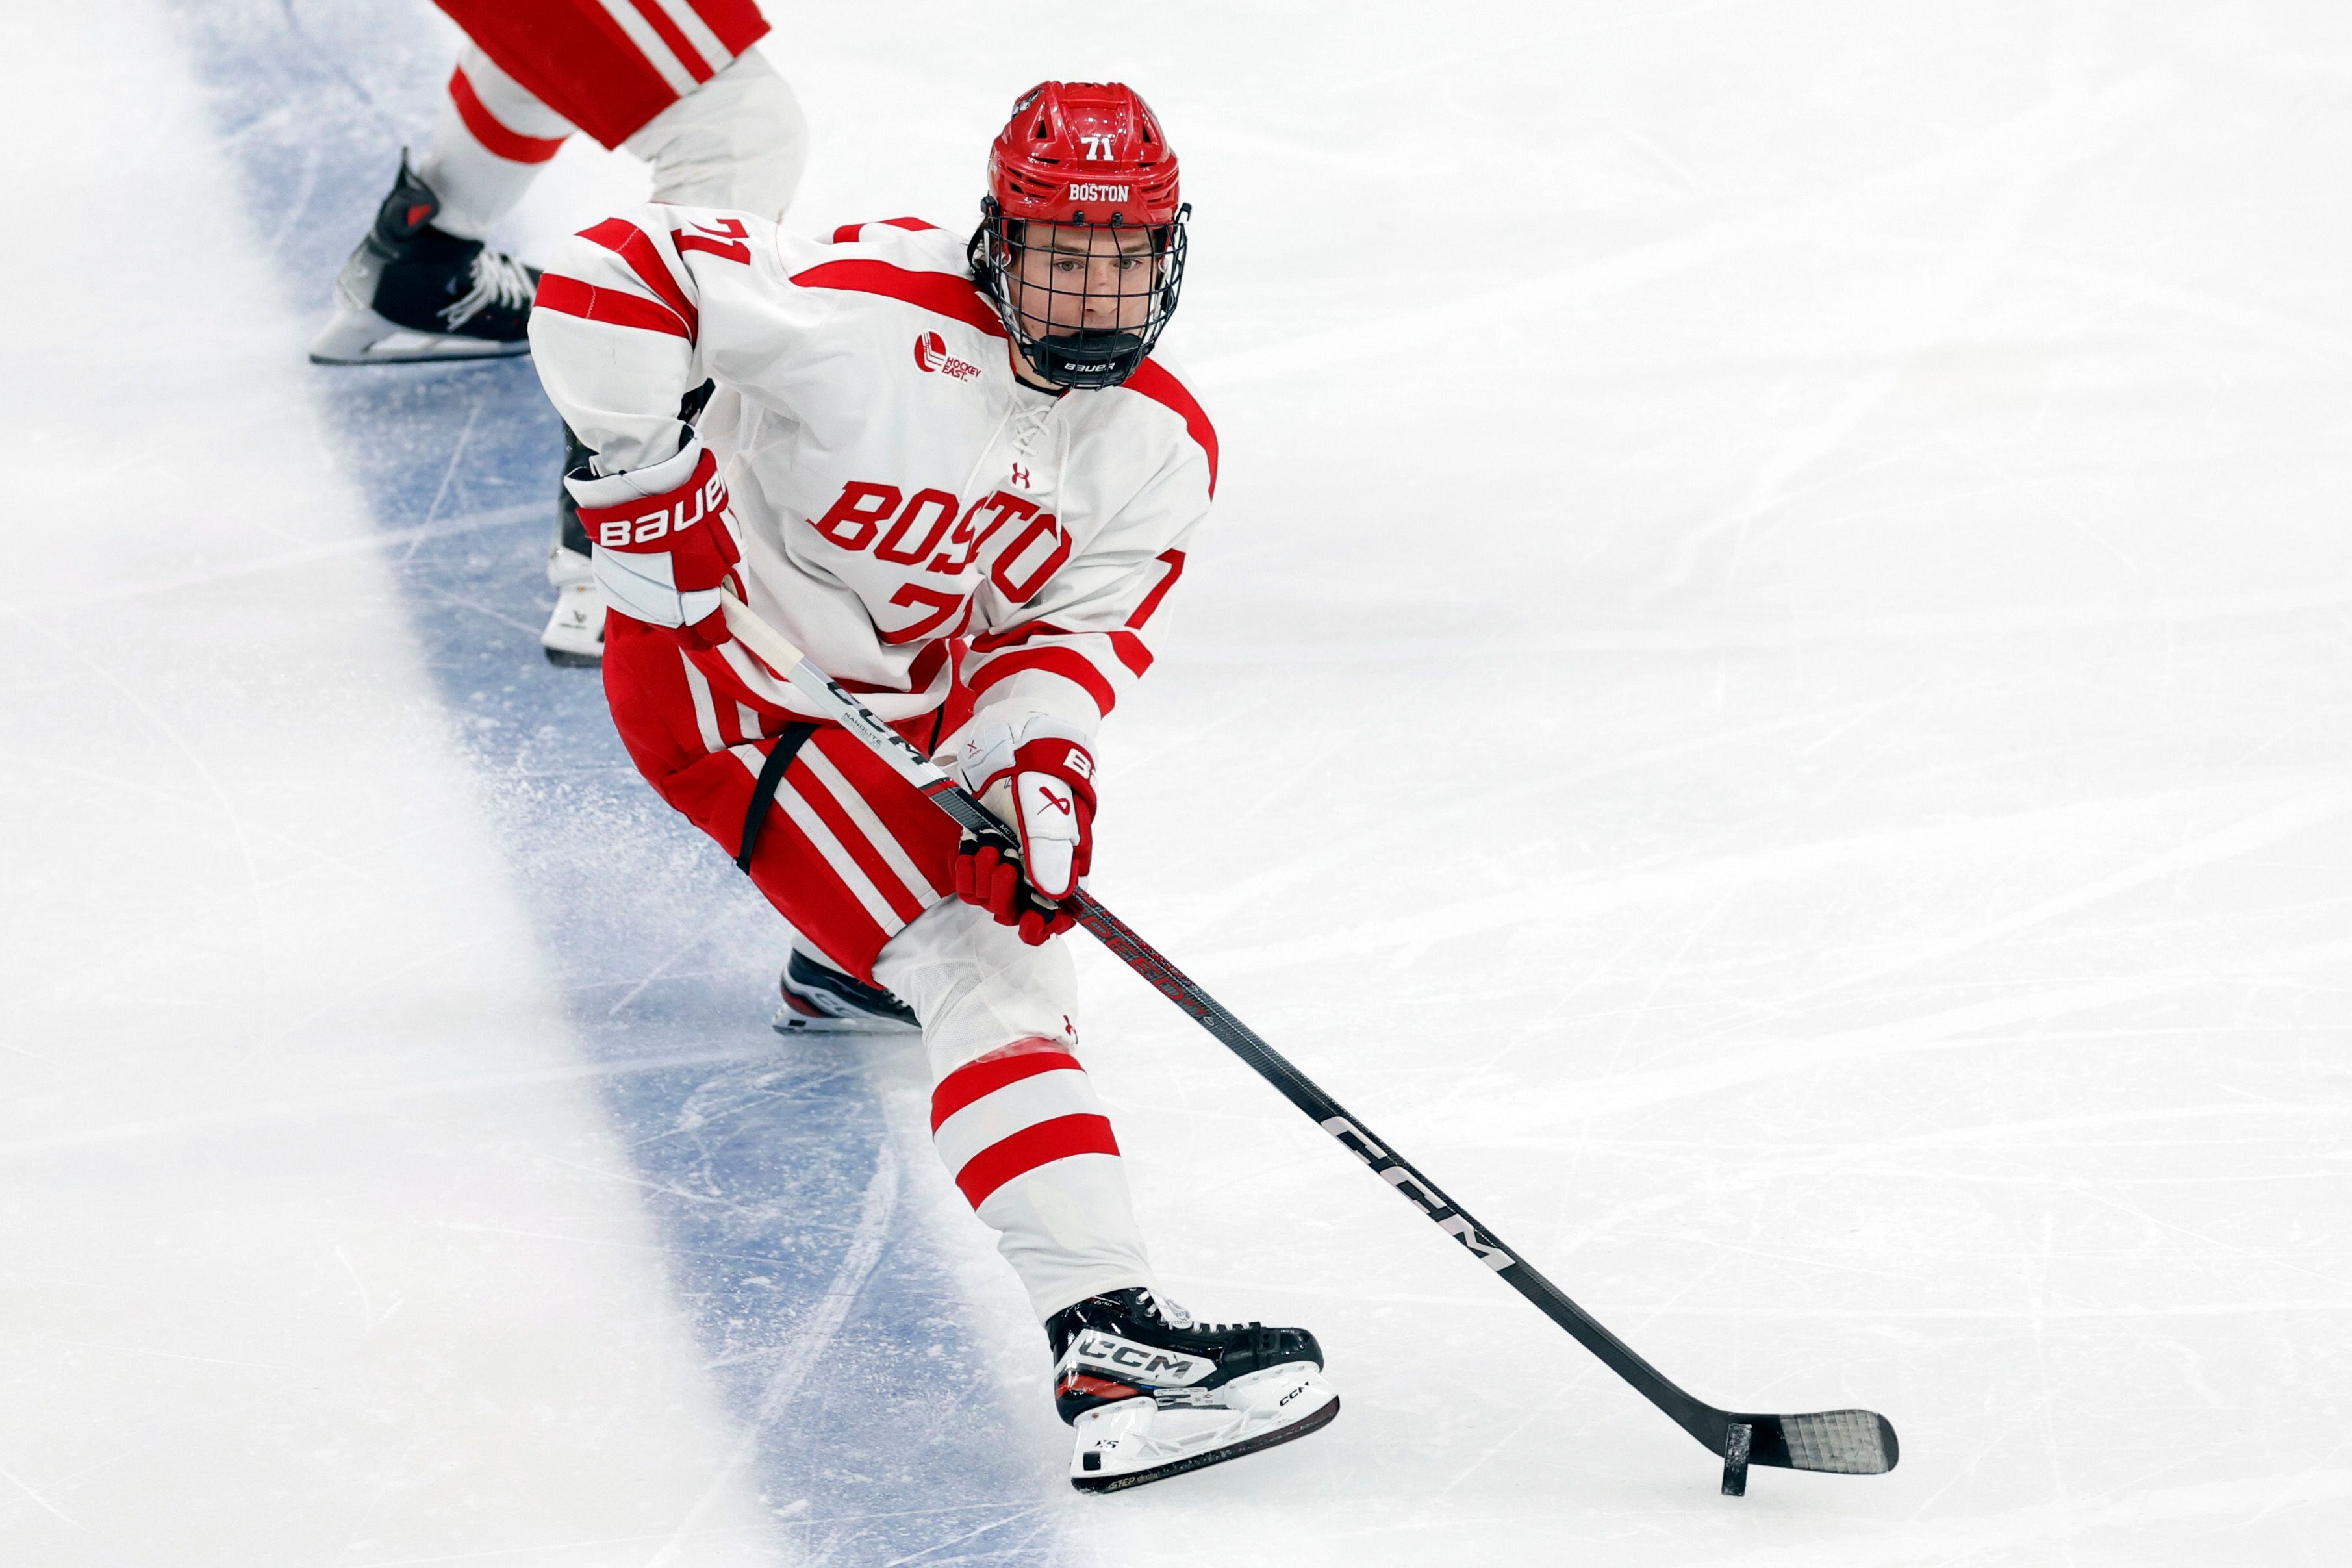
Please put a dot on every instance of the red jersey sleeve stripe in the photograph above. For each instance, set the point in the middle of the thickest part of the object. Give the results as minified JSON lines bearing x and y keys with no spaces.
{"x":1131,"y":650}
{"x":979,"y":1079}
{"x":1175,"y":559}
{"x":937,"y":292}
{"x":1067,"y":663}
{"x":989,"y":641}
{"x":573,"y":298}
{"x":1040,"y":1143}
{"x":492,"y":132}
{"x":848,"y":233}
{"x":634,"y":246}
{"x":1152,"y":380}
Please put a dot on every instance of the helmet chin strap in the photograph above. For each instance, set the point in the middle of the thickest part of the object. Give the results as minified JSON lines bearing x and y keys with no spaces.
{"x":1084,"y":360}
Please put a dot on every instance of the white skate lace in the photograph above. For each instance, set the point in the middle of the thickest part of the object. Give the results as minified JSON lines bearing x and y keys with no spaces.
{"x":1174,"y":1316}
{"x":498,"y":279}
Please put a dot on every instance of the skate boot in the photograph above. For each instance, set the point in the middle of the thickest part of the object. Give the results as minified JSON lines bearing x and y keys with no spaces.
{"x":412,"y":292}
{"x":1152,"y":1394}
{"x":822,"y":1000}
{"x":574,"y":636}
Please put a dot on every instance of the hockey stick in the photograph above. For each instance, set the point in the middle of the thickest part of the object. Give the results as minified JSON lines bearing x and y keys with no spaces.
{"x":1844,"y":1442}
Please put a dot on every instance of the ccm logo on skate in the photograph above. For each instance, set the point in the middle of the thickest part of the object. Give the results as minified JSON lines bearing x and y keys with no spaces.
{"x":932,"y":354}
{"x":1119,"y":1352}
{"x":1431,"y":1202}
{"x":616,"y":532}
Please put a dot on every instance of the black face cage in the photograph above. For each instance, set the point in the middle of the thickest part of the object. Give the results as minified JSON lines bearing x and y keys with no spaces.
{"x":1049,"y":324}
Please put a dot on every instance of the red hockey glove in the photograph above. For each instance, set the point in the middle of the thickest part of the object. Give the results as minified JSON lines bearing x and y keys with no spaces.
{"x":664,"y":542}
{"x":1038,"y":777}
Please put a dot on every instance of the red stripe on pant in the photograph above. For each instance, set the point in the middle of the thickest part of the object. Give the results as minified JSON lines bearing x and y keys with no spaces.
{"x":1040,"y":1143}
{"x":573,"y":58}
{"x":652,"y":707}
{"x":979,"y":1079}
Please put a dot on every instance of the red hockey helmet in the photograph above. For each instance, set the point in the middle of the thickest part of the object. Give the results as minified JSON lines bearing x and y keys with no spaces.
{"x":1081,"y":244}
{"x":1080,"y":151}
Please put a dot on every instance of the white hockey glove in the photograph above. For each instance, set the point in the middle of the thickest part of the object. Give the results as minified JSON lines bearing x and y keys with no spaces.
{"x":664,"y":542}
{"x":1038,"y":778}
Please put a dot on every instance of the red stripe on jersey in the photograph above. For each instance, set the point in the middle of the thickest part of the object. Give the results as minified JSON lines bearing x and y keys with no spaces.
{"x":511,"y":144}
{"x":974,"y":1080}
{"x":667,"y":30}
{"x":1125,"y":644}
{"x":848,"y":233}
{"x":632,"y":245}
{"x":1152,"y":380}
{"x":989,"y":641}
{"x":1067,"y":663}
{"x":1033,"y":1146}
{"x":1175,"y":559}
{"x":939,"y":293}
{"x":1131,"y":651}
{"x":574,"y":298}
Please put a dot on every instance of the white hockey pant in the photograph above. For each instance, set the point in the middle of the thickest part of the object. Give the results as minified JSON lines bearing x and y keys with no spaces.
{"x":1014,"y":1116}
{"x":739,"y":140}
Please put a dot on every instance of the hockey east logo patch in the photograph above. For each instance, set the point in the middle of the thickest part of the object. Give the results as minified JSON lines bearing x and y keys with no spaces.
{"x":931,"y":356}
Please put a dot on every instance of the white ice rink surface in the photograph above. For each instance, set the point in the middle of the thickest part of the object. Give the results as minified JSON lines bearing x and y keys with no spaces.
{"x":1767,"y":698}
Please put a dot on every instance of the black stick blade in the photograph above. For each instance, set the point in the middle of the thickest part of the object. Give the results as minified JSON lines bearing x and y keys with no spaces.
{"x":1736,"y":1438}
{"x":1841,"y":1441}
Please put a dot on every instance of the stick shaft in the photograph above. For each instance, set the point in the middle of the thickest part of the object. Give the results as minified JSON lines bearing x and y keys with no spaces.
{"x":1704,"y":1422}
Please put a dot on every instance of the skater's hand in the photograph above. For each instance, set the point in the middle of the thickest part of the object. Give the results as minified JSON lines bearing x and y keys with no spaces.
{"x":1038,"y":778}
{"x":664,"y":542}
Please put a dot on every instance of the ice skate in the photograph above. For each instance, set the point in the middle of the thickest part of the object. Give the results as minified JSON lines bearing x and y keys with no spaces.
{"x":574,"y":634}
{"x":412,"y":292}
{"x":822,"y":1000}
{"x":1153,"y":1393}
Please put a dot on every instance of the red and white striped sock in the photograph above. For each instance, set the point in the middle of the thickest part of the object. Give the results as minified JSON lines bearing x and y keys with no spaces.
{"x":1028,"y":1143}
{"x":491,"y":142}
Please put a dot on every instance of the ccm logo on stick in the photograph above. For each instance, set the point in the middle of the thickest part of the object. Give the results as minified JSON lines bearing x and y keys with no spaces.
{"x":618,"y":533}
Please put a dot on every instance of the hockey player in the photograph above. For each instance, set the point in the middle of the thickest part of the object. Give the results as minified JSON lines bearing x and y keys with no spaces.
{"x":677,"y":82}
{"x":952,"y":473}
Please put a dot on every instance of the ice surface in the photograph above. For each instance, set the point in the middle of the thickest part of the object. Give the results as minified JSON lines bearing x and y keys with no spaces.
{"x":1767,"y":699}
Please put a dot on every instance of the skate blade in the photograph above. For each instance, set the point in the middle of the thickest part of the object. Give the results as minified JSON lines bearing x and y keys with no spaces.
{"x":362,"y":337}
{"x":787,"y":1022}
{"x":575,"y":635}
{"x":1136,"y":1442}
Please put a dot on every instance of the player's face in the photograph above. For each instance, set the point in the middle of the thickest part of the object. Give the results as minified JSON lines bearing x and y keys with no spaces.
{"x":1069,"y":278}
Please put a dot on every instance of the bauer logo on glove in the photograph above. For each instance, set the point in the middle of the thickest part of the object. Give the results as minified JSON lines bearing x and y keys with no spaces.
{"x":652,"y":560}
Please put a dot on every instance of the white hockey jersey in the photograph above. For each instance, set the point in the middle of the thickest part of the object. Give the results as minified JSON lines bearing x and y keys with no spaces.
{"x":913,"y":514}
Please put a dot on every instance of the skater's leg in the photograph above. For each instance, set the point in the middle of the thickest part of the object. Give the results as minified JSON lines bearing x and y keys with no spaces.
{"x":1013,"y":1112}
{"x":740,"y":140}
{"x":491,"y":141}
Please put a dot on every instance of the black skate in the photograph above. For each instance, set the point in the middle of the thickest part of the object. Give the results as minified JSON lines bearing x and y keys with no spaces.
{"x":1152,"y":1394}
{"x":412,"y":292}
{"x":820,"y":1000}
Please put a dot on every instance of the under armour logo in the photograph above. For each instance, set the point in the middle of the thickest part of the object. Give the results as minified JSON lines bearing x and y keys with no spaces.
{"x":1050,"y":799}
{"x":1021,"y":475}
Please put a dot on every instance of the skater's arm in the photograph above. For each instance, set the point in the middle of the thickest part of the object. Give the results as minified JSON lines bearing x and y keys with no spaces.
{"x":640,"y":310}
{"x":1075,"y":645}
